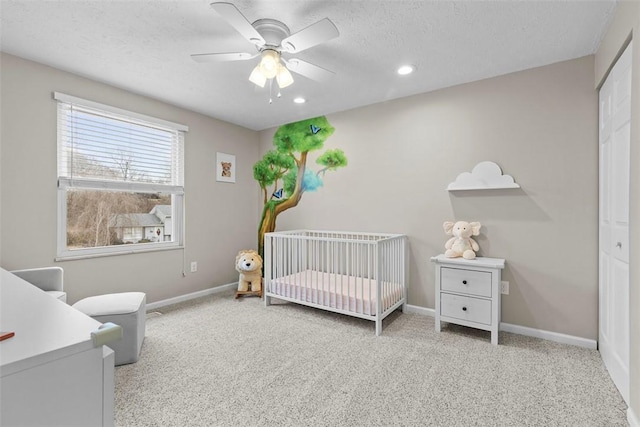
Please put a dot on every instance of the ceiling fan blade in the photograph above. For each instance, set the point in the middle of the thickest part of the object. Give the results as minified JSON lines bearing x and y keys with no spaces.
{"x":308,"y":69}
{"x":223,"y":57}
{"x":237,"y":20}
{"x":320,"y":32}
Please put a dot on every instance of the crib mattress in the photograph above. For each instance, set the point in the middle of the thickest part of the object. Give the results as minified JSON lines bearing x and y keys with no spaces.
{"x":339,"y":291}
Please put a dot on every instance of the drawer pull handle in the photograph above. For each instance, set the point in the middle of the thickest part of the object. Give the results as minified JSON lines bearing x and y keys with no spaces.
{"x":464,"y":282}
{"x":464,"y":308}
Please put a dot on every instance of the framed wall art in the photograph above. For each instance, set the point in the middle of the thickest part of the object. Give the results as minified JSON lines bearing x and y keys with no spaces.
{"x":225,"y":167}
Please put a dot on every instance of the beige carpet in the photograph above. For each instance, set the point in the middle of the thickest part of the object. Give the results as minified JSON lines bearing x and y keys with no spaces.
{"x":216,"y":361}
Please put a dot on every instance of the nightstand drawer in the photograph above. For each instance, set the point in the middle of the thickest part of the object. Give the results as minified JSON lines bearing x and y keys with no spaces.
{"x":466,"y":281}
{"x":466,"y":308}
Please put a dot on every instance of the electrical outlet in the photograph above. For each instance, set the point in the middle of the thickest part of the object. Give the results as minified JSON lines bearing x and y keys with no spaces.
{"x":504,"y":287}
{"x":194,"y":266}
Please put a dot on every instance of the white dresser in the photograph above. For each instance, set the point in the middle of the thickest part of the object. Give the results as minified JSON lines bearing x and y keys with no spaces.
{"x":468,"y":292}
{"x":50,"y":372}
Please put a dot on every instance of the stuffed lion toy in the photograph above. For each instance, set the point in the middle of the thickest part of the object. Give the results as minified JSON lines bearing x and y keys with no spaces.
{"x":249,"y":265}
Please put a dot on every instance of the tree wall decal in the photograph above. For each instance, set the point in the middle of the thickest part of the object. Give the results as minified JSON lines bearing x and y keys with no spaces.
{"x":285,"y":169}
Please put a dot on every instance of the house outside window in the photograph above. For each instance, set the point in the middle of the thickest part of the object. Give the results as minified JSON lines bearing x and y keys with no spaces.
{"x":120,"y":180}
{"x":143,"y":228}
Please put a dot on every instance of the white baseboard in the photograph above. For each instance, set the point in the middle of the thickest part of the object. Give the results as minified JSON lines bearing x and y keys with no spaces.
{"x":523,"y":330}
{"x":507,"y":327}
{"x":193,"y":295}
{"x":549,"y":336}
{"x":421,"y":310}
{"x":633,"y":420}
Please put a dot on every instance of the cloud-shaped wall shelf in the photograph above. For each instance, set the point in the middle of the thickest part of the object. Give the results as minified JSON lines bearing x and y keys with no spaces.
{"x":485,"y":175}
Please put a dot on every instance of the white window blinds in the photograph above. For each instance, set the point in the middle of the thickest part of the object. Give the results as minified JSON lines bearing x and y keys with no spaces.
{"x":104,"y":147}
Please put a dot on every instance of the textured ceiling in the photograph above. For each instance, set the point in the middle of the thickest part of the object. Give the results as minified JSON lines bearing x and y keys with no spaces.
{"x":143,"y":46}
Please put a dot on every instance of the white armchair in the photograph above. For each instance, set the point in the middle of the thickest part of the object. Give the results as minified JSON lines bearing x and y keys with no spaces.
{"x":49,"y":279}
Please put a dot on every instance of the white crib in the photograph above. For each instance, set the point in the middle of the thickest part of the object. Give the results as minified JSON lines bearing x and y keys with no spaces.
{"x":359,"y":274}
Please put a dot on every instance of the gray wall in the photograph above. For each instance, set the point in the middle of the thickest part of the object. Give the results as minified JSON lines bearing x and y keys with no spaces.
{"x":627,"y":21}
{"x":540,"y":126}
{"x":221,"y":218}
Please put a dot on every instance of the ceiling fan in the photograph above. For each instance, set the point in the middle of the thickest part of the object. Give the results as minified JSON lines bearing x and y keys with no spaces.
{"x":273,"y":39}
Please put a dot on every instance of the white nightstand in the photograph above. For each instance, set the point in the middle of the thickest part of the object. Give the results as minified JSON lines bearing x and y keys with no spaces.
{"x":468,"y":292}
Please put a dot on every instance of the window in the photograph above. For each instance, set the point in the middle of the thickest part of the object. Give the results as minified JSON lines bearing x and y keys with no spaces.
{"x":120,"y":180}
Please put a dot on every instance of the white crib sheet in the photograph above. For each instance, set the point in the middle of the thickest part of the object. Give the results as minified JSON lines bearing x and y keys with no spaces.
{"x":339,"y":291}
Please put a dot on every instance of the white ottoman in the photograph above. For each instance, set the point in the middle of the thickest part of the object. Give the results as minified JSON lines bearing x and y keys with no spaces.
{"x":126,"y":309}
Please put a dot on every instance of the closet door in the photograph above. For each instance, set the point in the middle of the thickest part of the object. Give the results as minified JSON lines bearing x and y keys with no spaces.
{"x":615,"y":138}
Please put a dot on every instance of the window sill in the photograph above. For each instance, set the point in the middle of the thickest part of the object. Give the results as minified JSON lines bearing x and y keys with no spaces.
{"x":71,"y":256}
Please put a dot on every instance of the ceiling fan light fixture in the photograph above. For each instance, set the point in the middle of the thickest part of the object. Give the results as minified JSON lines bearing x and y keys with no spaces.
{"x":284,"y":77}
{"x":257,"y":77}
{"x":269,"y":63}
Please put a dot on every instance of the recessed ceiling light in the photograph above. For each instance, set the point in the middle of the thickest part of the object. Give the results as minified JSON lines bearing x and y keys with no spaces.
{"x":406,"y":69}
{"x":299,"y":100}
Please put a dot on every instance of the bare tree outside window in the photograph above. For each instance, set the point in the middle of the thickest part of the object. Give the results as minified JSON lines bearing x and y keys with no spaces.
{"x":94,"y":216}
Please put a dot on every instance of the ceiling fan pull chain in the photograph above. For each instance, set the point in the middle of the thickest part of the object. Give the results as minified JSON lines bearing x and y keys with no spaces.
{"x":270,"y":86}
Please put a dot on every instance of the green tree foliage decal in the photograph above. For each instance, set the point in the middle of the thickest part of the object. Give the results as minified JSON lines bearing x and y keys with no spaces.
{"x":285,"y":168}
